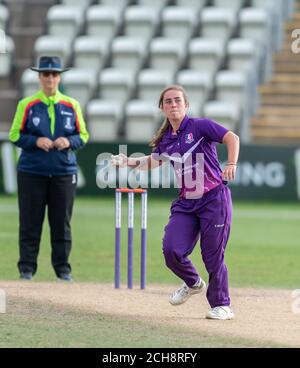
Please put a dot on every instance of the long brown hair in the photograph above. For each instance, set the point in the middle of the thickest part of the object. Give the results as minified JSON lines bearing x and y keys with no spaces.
{"x":165,"y":125}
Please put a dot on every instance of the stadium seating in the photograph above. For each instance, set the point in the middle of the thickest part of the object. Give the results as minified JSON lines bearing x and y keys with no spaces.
{"x":141,"y":115}
{"x":242,"y":54}
{"x":255,"y":24}
{"x":220,"y":51}
{"x":206,"y":54}
{"x":29,"y":83}
{"x":179,"y":22}
{"x":218,"y":22}
{"x":65,"y":21}
{"x":80,"y":84}
{"x":103,"y":21}
{"x":141,"y":21}
{"x":6,"y":58}
{"x":128,"y":52}
{"x":196,"y":5}
{"x":231,"y":4}
{"x":84,"y":4}
{"x":167,"y":54}
{"x":226,"y":113}
{"x":4,"y":14}
{"x":151,"y":82}
{"x":116,"y":84}
{"x":276,"y":9}
{"x":104,"y":119}
{"x":91,"y":52}
{"x":6,"y":45}
{"x":233,"y":86}
{"x":198,"y":85}
{"x":54,"y":46}
{"x":142,"y":119}
{"x":121,"y":4}
{"x":159,"y":4}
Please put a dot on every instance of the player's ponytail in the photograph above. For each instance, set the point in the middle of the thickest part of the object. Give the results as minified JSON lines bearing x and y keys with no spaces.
{"x":160,"y":133}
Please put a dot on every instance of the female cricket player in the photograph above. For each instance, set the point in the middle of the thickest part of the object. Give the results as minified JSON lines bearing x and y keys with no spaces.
{"x":203,"y":211}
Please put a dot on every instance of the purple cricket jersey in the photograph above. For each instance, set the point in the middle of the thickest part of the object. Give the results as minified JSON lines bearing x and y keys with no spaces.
{"x":192,"y":152}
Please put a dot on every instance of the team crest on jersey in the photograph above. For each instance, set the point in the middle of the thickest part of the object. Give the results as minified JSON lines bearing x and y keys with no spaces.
{"x":68,"y":124}
{"x":189,"y":138}
{"x":36,"y":120}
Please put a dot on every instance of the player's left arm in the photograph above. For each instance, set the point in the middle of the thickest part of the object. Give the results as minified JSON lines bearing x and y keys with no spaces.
{"x":232,"y":142}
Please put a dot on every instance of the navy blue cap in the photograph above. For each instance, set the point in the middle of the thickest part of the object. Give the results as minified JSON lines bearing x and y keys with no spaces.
{"x":49,"y":63}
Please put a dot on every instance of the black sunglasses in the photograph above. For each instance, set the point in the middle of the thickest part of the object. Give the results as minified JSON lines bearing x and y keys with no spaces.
{"x":47,"y":74}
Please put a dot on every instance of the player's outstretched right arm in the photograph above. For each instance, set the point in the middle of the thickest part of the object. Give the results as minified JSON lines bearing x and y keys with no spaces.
{"x":143,"y":163}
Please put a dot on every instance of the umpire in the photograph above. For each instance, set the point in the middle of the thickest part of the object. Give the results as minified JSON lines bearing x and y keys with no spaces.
{"x":49,"y":128}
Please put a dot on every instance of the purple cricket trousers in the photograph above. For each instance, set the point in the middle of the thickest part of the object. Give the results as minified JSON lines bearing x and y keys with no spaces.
{"x":208,"y":218}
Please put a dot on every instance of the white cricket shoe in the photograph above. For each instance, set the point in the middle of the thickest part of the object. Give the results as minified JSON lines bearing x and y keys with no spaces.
{"x":182,"y":294}
{"x":222,"y":313}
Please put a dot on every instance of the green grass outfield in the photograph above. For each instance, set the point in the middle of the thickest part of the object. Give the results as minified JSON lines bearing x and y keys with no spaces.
{"x":263,"y":250}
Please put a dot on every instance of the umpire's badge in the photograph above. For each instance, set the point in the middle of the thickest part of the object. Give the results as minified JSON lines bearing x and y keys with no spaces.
{"x":36,"y":120}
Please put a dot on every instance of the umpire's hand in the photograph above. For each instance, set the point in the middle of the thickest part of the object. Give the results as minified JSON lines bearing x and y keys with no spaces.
{"x":61,"y":143}
{"x":45,"y":144}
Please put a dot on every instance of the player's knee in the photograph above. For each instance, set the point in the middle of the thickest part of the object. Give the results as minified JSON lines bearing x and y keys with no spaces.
{"x":214,"y":265}
{"x":170,"y":254}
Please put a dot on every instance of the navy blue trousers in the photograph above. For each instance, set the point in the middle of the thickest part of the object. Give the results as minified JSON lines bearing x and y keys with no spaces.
{"x":35,"y":194}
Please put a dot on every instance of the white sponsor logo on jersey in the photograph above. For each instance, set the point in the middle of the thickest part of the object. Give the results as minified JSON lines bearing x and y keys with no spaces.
{"x":66,"y":113}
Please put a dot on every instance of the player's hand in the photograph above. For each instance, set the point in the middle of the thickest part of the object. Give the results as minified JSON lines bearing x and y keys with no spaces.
{"x":61,"y":143}
{"x":119,"y":160}
{"x":229,"y":172}
{"x":45,"y":144}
